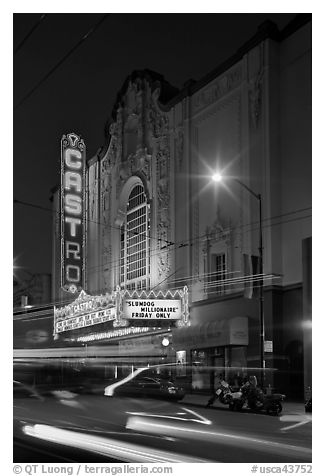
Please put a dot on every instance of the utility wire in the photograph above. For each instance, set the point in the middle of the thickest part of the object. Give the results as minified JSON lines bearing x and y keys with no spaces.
{"x":131,"y":232}
{"x":32,"y":205}
{"x":183,"y":243}
{"x":92,"y":30}
{"x":23,"y":41}
{"x":193,"y":241}
{"x":114,"y":264}
{"x":165,"y":279}
{"x":45,"y":311}
{"x":209,"y":287}
{"x":46,"y":307}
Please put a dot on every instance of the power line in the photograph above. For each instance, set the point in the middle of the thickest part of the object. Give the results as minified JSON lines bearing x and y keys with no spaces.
{"x":32,"y":205}
{"x":165,"y":279}
{"x":190,"y":241}
{"x":44,"y":308}
{"x":23,"y":41}
{"x":92,"y":30}
{"x":210,"y":287}
{"x":136,"y":233}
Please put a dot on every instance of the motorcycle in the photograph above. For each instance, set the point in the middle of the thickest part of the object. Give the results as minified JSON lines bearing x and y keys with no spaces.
{"x":308,"y":406}
{"x":249,"y":397}
{"x":224,"y":393}
{"x":308,"y":401}
{"x":256,"y":400}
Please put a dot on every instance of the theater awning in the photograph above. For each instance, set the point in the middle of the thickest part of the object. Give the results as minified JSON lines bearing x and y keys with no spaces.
{"x":233,"y":331}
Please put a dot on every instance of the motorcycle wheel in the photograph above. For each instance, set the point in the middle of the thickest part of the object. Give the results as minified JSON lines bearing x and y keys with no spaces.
{"x":235,"y":406}
{"x":274,"y":409}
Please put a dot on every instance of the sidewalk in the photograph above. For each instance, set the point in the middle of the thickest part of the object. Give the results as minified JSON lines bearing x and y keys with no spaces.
{"x":289,"y":408}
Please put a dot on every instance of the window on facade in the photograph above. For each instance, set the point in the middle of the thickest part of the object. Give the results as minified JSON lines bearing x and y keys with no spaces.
{"x":217,"y":274}
{"x":134,"y":240}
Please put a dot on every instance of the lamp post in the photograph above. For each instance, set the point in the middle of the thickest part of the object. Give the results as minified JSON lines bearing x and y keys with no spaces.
{"x":258,"y":196}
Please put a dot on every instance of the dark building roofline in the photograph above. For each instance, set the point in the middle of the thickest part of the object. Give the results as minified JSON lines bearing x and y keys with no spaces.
{"x":170,"y":95}
{"x":298,"y":22}
{"x":267,"y":29}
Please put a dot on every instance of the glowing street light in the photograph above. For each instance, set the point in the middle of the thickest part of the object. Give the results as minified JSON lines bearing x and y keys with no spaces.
{"x":217,"y":177}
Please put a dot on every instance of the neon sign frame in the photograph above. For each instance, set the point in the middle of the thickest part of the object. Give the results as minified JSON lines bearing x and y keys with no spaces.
{"x":73,"y":213}
{"x":87,"y":311}
{"x":181,"y":294}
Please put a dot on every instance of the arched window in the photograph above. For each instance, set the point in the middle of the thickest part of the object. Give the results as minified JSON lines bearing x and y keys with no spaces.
{"x":134,"y":240}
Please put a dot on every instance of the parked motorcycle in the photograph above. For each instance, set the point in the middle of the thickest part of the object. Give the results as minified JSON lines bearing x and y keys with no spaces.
{"x":224,"y":393}
{"x":308,"y":403}
{"x":256,"y":400}
{"x":308,"y":406}
{"x":249,"y":396}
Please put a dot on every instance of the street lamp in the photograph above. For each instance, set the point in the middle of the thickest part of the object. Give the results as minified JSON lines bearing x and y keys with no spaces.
{"x":218,"y":178}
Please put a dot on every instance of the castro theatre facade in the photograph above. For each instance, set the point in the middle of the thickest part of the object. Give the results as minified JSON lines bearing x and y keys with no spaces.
{"x":152,"y":227}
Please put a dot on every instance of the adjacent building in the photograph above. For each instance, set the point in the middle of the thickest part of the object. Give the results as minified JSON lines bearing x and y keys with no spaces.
{"x":33,"y":314}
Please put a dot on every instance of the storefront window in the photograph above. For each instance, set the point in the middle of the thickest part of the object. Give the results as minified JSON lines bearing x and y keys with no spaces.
{"x":181,"y":363}
{"x":200,"y":370}
{"x":237,"y":370}
{"x":209,"y":365}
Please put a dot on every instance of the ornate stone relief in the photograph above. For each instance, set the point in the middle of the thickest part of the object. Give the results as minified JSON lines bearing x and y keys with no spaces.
{"x":141,"y":162}
{"x":217,"y":234}
{"x":220,"y":88}
{"x":255,"y":88}
{"x":179,"y":146}
{"x":130,"y":155}
{"x":105,"y":217}
{"x":92,"y":191}
{"x":163,"y":212}
{"x":161,"y":137}
{"x":255,"y":98}
{"x":158,"y":123}
{"x":115,"y":146}
{"x":217,"y":231}
{"x":138,"y":161}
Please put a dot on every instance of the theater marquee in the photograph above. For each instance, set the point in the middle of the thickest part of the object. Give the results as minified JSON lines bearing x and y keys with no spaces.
{"x":85,"y":311}
{"x":73,"y":233}
{"x":150,"y":305}
{"x":152,"y":309}
{"x":120,"y":311}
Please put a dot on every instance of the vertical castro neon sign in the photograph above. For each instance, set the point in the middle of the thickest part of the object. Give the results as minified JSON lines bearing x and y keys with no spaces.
{"x":73,"y":213}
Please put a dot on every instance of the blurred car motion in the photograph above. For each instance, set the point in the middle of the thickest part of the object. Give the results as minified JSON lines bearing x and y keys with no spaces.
{"x":62,"y":425}
{"x":23,"y":391}
{"x":151,"y":387}
{"x":63,"y":411}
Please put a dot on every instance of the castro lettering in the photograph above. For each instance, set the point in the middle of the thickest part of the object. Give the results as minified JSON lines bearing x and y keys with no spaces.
{"x":72,"y":189}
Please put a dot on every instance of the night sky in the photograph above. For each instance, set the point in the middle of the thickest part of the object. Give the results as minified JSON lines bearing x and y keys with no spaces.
{"x":79,"y":95}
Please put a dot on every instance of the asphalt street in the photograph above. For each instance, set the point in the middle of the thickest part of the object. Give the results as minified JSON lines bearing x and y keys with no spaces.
{"x":147,"y":430}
